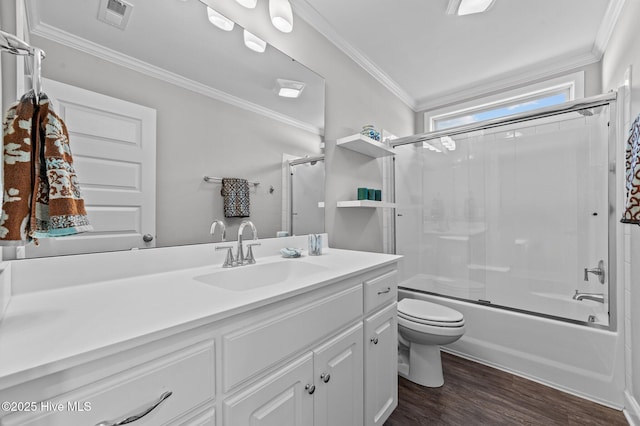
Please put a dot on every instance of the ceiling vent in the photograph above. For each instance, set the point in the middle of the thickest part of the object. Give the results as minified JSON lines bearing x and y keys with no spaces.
{"x":115,"y":12}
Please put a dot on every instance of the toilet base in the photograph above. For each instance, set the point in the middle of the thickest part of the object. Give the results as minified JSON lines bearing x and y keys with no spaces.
{"x":425,"y":366}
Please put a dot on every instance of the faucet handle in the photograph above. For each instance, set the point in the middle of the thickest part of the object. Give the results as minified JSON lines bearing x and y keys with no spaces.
{"x":229,"y":260}
{"x":250,"y":260}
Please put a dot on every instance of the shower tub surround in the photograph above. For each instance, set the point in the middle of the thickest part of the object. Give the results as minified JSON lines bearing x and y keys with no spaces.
{"x":501,"y":228}
{"x":96,"y":337}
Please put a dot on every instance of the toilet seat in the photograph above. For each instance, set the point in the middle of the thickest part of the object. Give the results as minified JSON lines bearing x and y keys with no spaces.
{"x":427,"y":313}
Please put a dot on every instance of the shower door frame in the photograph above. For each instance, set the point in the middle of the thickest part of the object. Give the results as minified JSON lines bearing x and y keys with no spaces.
{"x":290,"y":165}
{"x":609,"y":99}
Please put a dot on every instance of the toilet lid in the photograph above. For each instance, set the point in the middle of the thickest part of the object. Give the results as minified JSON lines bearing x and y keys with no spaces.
{"x":423,"y":310}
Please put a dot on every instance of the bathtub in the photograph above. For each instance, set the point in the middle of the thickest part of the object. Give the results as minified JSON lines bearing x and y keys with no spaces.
{"x":560,"y":306}
{"x":582,"y":360}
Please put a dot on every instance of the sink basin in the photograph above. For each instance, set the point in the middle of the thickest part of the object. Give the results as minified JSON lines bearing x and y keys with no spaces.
{"x":249,"y":277}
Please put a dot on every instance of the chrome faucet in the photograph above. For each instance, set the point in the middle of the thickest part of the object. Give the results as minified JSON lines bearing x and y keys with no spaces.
{"x":240,"y":258}
{"x":597,"y":297}
{"x":216,"y":222}
{"x":229,"y":261}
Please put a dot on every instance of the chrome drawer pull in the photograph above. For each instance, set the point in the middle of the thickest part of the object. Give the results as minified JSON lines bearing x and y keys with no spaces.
{"x":310,"y":389}
{"x":325,"y":377}
{"x":374,"y":340}
{"x":136,"y":417}
{"x":386,"y":290}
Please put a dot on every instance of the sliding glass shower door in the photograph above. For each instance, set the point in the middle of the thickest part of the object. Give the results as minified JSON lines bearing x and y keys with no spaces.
{"x":510,"y":216}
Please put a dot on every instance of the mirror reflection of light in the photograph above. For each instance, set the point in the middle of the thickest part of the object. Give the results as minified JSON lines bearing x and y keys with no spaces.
{"x":430,"y":147}
{"x":220,"y":20}
{"x":281,"y":15}
{"x":448,"y":143}
{"x":288,"y":88}
{"x":249,"y":4}
{"x":254,"y":42}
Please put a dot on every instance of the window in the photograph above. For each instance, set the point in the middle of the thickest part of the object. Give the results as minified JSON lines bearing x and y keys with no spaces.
{"x":540,"y":95}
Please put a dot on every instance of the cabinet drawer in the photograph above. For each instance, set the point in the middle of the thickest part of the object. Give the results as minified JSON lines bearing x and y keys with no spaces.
{"x":380,"y":290}
{"x":188,"y":374}
{"x":249,"y":350}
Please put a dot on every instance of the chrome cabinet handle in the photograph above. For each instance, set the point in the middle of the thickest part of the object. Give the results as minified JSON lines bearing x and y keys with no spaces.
{"x":386,"y":290}
{"x":136,"y":417}
{"x":147,"y":238}
{"x":310,"y":389}
{"x":374,"y":340}
{"x":325,"y":377}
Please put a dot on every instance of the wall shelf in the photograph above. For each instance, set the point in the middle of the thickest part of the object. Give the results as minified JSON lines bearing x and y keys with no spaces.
{"x":365,"y":145}
{"x":366,"y":203}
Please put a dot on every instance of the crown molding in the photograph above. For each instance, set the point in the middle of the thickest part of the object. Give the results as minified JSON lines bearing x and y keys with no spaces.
{"x":62,"y":37}
{"x":510,"y":80}
{"x":606,"y":27}
{"x":306,"y":12}
{"x":478,"y":88}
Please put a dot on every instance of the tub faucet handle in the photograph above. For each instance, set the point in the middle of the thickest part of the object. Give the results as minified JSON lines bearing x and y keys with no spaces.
{"x":599,"y":272}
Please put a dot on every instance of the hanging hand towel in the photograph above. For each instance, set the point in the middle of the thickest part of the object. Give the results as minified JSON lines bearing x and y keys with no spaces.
{"x":41,"y":192}
{"x":236,"y":197}
{"x":632,"y":165}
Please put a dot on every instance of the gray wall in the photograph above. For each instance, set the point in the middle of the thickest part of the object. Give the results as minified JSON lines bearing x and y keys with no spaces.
{"x":624,"y":50}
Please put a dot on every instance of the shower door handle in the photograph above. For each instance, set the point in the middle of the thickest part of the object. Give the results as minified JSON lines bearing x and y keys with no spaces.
{"x":599,"y":272}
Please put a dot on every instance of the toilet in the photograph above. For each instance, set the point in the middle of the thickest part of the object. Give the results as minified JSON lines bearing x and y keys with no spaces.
{"x":422,"y":328}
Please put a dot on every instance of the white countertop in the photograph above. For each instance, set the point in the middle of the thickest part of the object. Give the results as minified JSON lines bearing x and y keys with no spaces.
{"x":47,"y":331}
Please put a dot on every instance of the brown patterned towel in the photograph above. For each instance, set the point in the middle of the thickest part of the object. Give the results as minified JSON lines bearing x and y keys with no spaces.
{"x":632,"y":163}
{"x":41,"y":193}
{"x":236,"y":197}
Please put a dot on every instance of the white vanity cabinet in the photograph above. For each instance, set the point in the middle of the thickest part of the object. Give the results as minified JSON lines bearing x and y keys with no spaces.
{"x":380,"y":348}
{"x":178,"y":387}
{"x":339,"y":376}
{"x":321,"y":388}
{"x":325,"y":355}
{"x":283,"y":398}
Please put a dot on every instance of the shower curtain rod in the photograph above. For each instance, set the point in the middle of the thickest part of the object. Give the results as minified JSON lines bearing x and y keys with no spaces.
{"x":306,"y":160}
{"x":580,"y":104}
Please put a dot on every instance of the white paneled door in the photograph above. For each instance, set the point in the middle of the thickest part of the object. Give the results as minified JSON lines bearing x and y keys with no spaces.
{"x":113,"y":143}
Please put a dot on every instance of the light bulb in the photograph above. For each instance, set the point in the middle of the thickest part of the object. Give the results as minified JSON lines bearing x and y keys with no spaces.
{"x":281,"y":15}
{"x":249,"y":4}
{"x":219,"y":20}
{"x":254,"y":42}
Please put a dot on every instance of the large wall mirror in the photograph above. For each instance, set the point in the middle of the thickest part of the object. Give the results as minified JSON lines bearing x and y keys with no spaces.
{"x":216,"y":106}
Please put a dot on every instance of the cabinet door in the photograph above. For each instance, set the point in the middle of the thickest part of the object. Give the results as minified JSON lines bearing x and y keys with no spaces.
{"x":280,"y":399}
{"x":380,"y":365}
{"x":338,"y":377}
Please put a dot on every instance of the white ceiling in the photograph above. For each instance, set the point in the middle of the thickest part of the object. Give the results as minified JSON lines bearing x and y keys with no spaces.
{"x":429,"y":58}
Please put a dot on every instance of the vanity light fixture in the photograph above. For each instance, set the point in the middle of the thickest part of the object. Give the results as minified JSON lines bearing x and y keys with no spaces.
{"x":289,"y":88}
{"x":281,"y":15}
{"x":220,"y":20}
{"x":254,"y":42}
{"x":249,"y":4}
{"x":468,"y":7}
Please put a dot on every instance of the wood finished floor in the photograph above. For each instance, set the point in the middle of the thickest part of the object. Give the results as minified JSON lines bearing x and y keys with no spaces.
{"x":474,"y":394}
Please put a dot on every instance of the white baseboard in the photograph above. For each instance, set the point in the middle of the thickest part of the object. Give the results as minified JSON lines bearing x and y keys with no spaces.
{"x":631,"y":409}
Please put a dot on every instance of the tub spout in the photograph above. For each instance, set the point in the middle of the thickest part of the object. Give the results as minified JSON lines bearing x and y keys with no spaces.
{"x":597,"y":297}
